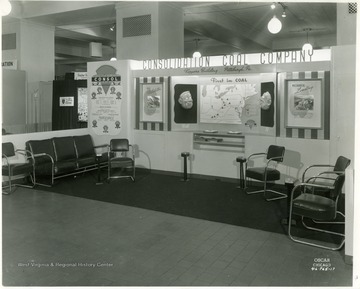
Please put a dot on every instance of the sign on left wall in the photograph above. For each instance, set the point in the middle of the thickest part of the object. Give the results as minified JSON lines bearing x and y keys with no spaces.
{"x":105,"y":100}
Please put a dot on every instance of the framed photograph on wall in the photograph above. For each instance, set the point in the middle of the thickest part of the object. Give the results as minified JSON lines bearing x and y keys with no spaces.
{"x":304,"y":103}
{"x":152,"y":102}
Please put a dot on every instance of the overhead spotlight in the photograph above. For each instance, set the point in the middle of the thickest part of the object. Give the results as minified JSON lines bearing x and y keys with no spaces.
{"x":274,"y":25}
{"x":5,"y":8}
{"x":112,"y":28}
{"x":273,"y":5}
{"x":283,"y":15}
{"x":113,"y":58}
{"x":197,"y":54}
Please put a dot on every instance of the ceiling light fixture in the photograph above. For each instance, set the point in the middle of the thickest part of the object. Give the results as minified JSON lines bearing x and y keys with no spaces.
{"x":197,"y":54}
{"x":307,"y":46}
{"x":274,"y":25}
{"x":283,"y":15}
{"x":112,"y":28}
{"x":5,"y":8}
{"x":273,"y":5}
{"x":113,"y":58}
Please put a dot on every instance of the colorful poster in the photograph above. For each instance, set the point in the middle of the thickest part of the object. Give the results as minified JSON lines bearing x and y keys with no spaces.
{"x":151,"y":104}
{"x":304,"y":102}
{"x":105,"y":97}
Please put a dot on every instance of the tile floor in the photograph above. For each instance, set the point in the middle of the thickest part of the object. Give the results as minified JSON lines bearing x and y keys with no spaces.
{"x":56,"y":240}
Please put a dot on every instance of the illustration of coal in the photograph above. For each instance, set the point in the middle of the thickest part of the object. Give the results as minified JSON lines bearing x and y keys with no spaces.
{"x":185,"y":103}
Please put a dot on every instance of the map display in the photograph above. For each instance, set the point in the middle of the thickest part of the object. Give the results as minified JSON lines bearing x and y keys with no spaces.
{"x":229,"y":100}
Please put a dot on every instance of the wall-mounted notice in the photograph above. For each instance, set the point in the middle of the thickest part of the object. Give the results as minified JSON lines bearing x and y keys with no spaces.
{"x":82,"y":104}
{"x":66,"y":101}
{"x":105,"y":97}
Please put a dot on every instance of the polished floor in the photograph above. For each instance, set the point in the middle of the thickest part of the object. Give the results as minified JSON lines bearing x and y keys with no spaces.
{"x":56,"y":240}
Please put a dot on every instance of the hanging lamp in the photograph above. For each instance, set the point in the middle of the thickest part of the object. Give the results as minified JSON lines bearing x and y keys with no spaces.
{"x":197,"y":53}
{"x":274,"y":25}
{"x":5,"y":8}
{"x":307,"y":46}
{"x":113,"y":58}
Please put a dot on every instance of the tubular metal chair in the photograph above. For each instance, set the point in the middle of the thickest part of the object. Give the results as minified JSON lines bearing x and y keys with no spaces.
{"x":274,"y":155}
{"x":314,"y":206}
{"x":118,"y":157}
{"x":339,"y":168}
{"x":330,"y":175}
{"x":11,"y":169}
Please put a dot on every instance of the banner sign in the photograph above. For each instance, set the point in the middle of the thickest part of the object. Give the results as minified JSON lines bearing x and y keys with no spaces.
{"x":105,"y":97}
{"x":9,"y":64}
{"x":243,"y":60}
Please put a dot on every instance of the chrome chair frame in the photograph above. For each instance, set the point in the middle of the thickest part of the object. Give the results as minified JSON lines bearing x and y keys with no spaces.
{"x":299,"y":186}
{"x":265,"y":189}
{"x":28,"y":155}
{"x":341,"y":163}
{"x":122,"y":151}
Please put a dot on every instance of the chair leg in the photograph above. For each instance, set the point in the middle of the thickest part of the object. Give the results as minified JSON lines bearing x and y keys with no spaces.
{"x":330,"y":222}
{"x":12,"y":187}
{"x":132,"y":177}
{"x":307,"y":242}
{"x":265,"y":190}
{"x":252,"y":192}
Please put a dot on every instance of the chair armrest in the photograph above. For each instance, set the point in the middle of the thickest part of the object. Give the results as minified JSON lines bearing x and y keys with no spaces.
{"x":28,"y":154}
{"x":101,"y":146}
{"x":6,"y":159}
{"x":253,"y":155}
{"x":314,"y":166}
{"x":313,"y":179}
{"x":132,"y":151}
{"x":299,"y":185}
{"x":43,"y":155}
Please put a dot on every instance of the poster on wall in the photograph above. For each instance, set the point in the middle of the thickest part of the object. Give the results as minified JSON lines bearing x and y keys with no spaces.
{"x":227,"y":99}
{"x":105,"y":97}
{"x":304,"y":103}
{"x":185,"y":103}
{"x":267,"y":104}
{"x":66,"y":101}
{"x":152,"y":102}
{"x":82,"y":104}
{"x":227,"y":103}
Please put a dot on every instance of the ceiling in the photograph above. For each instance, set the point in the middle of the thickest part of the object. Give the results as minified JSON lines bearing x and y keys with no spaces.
{"x":220,"y":27}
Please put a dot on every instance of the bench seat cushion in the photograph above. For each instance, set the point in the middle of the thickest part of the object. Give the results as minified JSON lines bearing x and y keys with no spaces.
{"x":64,"y":167}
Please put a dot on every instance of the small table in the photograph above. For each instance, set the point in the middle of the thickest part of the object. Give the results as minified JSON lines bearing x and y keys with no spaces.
{"x":289,"y":187}
{"x":98,"y":158}
{"x":241,"y":160}
{"x":185,"y":155}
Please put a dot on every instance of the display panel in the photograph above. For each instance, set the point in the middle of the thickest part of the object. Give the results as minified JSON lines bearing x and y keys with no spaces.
{"x":234,"y":103}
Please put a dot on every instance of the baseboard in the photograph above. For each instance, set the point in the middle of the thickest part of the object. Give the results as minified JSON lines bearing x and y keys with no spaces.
{"x":190,"y":176}
{"x":348,"y":259}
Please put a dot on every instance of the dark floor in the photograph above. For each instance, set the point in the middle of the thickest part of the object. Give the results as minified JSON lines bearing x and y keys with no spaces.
{"x":51,"y":239}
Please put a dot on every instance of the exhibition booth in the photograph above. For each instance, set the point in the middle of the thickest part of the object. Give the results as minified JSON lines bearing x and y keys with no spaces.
{"x":217,"y":109}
